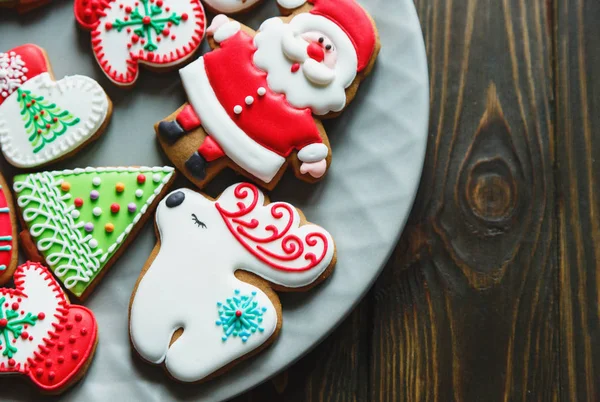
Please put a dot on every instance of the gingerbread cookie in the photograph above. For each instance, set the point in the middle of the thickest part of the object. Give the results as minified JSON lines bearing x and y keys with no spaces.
{"x":80,"y":221}
{"x":256,"y":101}
{"x":9,"y":252}
{"x":43,"y":120}
{"x":161,"y":34}
{"x":42,"y":335}
{"x":212,"y":275}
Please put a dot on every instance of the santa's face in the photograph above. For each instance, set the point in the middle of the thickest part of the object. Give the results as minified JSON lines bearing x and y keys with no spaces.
{"x":310,"y":60}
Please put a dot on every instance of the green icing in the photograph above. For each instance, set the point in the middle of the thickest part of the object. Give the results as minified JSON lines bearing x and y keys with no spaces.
{"x":44,"y":121}
{"x":75,"y":254}
{"x":12,"y":323}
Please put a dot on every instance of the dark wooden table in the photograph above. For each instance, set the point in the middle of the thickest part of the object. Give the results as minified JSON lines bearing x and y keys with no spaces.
{"x":493,"y":293}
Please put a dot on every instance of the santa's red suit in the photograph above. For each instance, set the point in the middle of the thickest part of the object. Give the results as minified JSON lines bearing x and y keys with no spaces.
{"x":256,"y":127}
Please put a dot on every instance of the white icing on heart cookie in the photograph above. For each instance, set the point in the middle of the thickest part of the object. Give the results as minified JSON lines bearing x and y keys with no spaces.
{"x":191,"y":282}
{"x":42,"y":120}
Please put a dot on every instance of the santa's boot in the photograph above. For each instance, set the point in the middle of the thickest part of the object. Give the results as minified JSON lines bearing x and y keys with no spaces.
{"x":209,"y":151}
{"x":186,"y":121}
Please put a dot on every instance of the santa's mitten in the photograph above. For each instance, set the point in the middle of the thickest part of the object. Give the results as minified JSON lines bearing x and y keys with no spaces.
{"x":41,"y":334}
{"x":43,"y":120}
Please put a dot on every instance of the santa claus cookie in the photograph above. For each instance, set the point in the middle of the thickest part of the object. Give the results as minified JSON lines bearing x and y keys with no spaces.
{"x":80,"y":221}
{"x":211,"y":278}
{"x":256,"y":100}
{"x":42,"y":335}
{"x":161,"y":34}
{"x":43,"y":120}
{"x":8,"y":234}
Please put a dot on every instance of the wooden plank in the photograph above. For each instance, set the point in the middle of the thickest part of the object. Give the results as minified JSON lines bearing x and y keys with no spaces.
{"x":467,"y":309}
{"x":578,"y":172}
{"x":335,"y":371}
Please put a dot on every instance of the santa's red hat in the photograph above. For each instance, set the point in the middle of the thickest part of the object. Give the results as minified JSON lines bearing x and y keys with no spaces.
{"x":354,"y":21}
{"x":19,"y":65}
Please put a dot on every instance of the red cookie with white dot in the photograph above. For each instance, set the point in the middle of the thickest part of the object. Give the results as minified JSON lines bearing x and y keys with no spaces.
{"x":161,"y":34}
{"x":42,"y":335}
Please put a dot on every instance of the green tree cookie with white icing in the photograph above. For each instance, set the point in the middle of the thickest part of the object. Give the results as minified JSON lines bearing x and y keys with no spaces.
{"x":79,"y":219}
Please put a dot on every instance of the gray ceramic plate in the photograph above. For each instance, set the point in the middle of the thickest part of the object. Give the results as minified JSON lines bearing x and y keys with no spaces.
{"x":379,"y":144}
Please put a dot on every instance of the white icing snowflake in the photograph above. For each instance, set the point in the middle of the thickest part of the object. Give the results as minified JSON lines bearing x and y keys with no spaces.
{"x":12,"y":73}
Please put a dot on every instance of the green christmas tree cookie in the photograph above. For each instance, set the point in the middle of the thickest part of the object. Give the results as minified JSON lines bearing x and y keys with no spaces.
{"x":79,"y":219}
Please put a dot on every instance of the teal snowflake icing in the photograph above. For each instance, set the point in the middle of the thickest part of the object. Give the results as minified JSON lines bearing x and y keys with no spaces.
{"x":151,"y":20}
{"x":240,"y":316}
{"x":11,"y":324}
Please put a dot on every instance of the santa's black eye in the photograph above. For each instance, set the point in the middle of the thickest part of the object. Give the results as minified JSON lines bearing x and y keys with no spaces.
{"x":321,"y":39}
{"x":328,"y":47}
{"x":198,"y":222}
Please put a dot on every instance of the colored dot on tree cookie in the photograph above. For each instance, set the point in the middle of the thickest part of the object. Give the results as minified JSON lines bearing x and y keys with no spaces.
{"x":157,"y":178}
{"x":141,"y":179}
{"x":120,"y":187}
{"x":94,"y":195}
{"x":97,"y":211}
{"x":94,"y":243}
{"x":115,"y":208}
{"x":65,"y":186}
{"x":131,"y":207}
{"x":75,"y":214}
{"x":89,"y":227}
{"x":109,"y":227}
{"x":96,"y":181}
{"x":139,"y":193}
{"x":78,"y":202}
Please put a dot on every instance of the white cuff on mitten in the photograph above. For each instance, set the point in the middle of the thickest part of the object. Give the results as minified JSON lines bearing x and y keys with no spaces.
{"x":226,"y":31}
{"x":313,"y":153}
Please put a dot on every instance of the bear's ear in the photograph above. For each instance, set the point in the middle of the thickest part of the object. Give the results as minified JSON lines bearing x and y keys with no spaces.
{"x":88,"y":12}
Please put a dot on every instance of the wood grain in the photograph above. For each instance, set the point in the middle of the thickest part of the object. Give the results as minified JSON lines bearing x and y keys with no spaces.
{"x":578,"y":164}
{"x":468,"y":310}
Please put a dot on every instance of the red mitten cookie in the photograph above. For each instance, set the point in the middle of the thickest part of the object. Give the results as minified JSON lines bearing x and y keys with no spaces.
{"x":43,"y":120}
{"x":257,"y":100}
{"x":41,"y":334}
{"x":161,"y":34}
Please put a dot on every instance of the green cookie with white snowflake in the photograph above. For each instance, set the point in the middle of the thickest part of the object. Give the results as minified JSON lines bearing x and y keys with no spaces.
{"x":43,"y":120}
{"x":80,"y":221}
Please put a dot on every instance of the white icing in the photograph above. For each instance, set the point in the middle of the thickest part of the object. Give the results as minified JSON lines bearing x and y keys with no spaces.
{"x":93,"y":243}
{"x":97,"y":211}
{"x":114,"y":43}
{"x":237,"y":109}
{"x":81,"y":96}
{"x":42,"y":295}
{"x":12,"y":73}
{"x":96,"y":181}
{"x":75,"y":214}
{"x":317,"y":72}
{"x":280,"y":45}
{"x":226,"y":31}
{"x":244,"y":151}
{"x":261,"y":91}
{"x":313,"y":153}
{"x":46,"y":200}
{"x":290,"y":4}
{"x":230,"y":6}
{"x":194,"y":270}
{"x":249,"y":100}
{"x":139,"y":193}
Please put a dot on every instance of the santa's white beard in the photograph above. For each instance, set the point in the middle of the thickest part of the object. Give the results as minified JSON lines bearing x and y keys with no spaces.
{"x":299,"y":90}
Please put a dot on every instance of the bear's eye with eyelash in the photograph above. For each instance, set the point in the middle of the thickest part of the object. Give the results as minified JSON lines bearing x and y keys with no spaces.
{"x":198,"y":222}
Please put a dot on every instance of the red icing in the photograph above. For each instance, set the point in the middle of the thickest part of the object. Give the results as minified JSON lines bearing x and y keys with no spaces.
{"x":271,"y":121}
{"x":47,"y":367}
{"x":295,"y":67}
{"x":353,"y":20}
{"x":90,"y":20}
{"x":316,"y":52}
{"x":282,"y":245}
{"x":6,"y":229}
{"x":34,"y":59}
{"x":115,"y":208}
{"x":141,"y":179}
{"x":188,"y":119}
{"x":211,"y":150}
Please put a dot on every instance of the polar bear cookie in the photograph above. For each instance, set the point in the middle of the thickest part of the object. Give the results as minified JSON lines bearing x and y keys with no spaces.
{"x":212,"y":276}
{"x":256,"y":101}
{"x":80,"y":221}
{"x":43,"y":120}
{"x":160,"y":34}
{"x":43,"y":336}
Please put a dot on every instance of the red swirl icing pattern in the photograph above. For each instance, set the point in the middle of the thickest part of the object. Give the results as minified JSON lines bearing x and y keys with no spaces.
{"x":273,"y":242}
